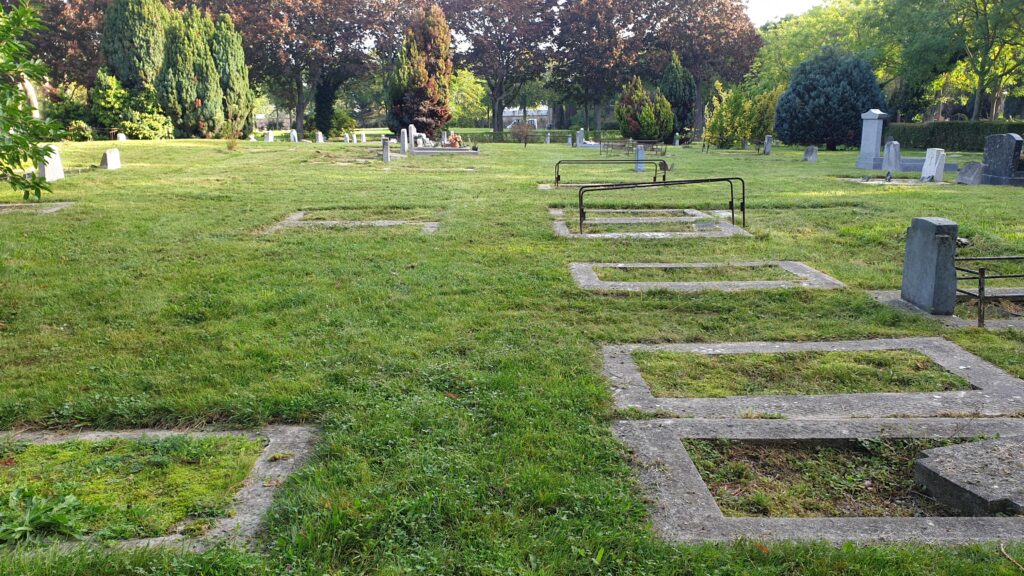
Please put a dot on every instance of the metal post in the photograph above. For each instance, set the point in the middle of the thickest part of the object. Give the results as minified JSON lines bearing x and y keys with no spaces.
{"x":981,"y":297}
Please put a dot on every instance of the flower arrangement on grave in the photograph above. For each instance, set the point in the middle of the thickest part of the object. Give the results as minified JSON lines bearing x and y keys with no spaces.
{"x":455,"y":141}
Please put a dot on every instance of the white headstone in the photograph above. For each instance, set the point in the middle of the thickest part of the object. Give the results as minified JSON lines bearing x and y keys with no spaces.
{"x":569,"y":141}
{"x":547,"y":138}
{"x":385,"y":143}
{"x":319,"y":137}
{"x":768,"y":141}
{"x":403,"y":141}
{"x":675,"y":139}
{"x":362,"y":138}
{"x":871,"y":137}
{"x":412,"y":135}
{"x":581,"y":138}
{"x":252,"y":137}
{"x":344,"y":137}
{"x":892,"y":160}
{"x":293,"y":136}
{"x":269,"y":137}
{"x":121,"y":137}
{"x":934,"y":169}
{"x":111,"y":160}
{"x":811,"y":154}
{"x":641,"y":155}
{"x":52,"y":168}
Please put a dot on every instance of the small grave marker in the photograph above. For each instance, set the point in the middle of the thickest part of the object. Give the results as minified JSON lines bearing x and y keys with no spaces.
{"x":52,"y":169}
{"x":111,"y":160}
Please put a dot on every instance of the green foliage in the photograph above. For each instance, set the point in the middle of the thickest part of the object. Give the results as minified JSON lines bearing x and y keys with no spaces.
{"x":136,"y":115}
{"x":341,"y":122}
{"x":23,"y":134}
{"x":723,"y":113}
{"x":110,"y":100}
{"x":229,"y":58}
{"x":825,"y":100}
{"x":133,"y":41}
{"x":29,"y":517}
{"x":641,"y":116}
{"x":960,"y":136}
{"x":468,"y":95}
{"x":70,"y":102}
{"x":759,"y":113}
{"x":419,"y":84}
{"x":189,"y":85}
{"x":78,"y":131}
{"x":681,"y":91}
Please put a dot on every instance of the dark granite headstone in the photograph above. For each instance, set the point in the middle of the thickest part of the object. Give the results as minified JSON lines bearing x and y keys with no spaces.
{"x":929,"y":275}
{"x":811,"y":154}
{"x":971,"y":174}
{"x":1002,"y":157}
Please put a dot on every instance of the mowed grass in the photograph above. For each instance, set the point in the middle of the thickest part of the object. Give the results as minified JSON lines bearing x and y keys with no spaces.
{"x":723,"y":273}
{"x":455,"y":376}
{"x":671,"y":374}
{"x":134,"y":488}
{"x":802,"y":480}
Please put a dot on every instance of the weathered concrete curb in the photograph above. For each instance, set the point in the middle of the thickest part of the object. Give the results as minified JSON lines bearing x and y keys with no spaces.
{"x":996,"y":392}
{"x":296,"y":220}
{"x":893,"y":299}
{"x":684,"y":510}
{"x":712,"y":229}
{"x":38,"y":208}
{"x":585,"y":275}
{"x":977,"y":478}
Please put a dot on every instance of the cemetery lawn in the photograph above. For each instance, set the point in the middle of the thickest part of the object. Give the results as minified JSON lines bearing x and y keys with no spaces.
{"x":455,"y":377}
{"x":671,"y":374}
{"x":714,"y":274}
{"x":130,"y":488}
{"x":801,"y":480}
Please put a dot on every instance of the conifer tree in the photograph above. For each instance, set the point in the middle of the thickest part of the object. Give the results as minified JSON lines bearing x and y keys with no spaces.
{"x":189,"y":87}
{"x":229,"y":57}
{"x":420,"y":81}
{"x":133,"y":41}
{"x":680,"y":90}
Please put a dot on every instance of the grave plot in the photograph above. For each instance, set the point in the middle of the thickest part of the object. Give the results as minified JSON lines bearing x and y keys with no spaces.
{"x":648,"y":224}
{"x":699,"y":277}
{"x":897,"y":378}
{"x":144,"y":488}
{"x":343,"y":218}
{"x":894,"y":182}
{"x":1005,"y":311}
{"x":38,"y":208}
{"x":851,"y":480}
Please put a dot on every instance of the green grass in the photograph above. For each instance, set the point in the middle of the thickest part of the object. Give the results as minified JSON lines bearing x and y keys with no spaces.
{"x":672,"y":374}
{"x":713,"y":274}
{"x":134,"y":488}
{"x":599,"y":228}
{"x":363,"y":214}
{"x":456,"y":376}
{"x":801,"y":480}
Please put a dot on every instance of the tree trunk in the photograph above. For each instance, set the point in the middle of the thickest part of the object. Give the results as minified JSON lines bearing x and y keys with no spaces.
{"x":978,"y":92}
{"x":497,"y":108}
{"x":300,"y":107}
{"x":698,"y":114}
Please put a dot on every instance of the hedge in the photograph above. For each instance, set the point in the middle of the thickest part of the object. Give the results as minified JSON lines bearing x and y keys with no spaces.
{"x":960,"y":136}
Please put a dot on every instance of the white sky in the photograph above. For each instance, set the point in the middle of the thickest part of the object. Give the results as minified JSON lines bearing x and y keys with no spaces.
{"x":762,"y":11}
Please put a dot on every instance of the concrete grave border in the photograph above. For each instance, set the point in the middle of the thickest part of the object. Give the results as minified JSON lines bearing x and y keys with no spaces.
{"x":894,"y":299}
{"x":881,"y":181}
{"x":718,"y":229}
{"x":296,"y":220}
{"x":684,"y":510}
{"x":251,"y":502}
{"x":996,"y":393}
{"x":38,"y":208}
{"x":585,"y":275}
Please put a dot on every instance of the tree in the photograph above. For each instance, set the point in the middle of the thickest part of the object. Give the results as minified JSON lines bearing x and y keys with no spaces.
{"x":506,"y":43}
{"x":133,"y":41}
{"x":993,"y":35}
{"x":825,"y":100}
{"x":23,"y":132}
{"x":467,"y":99}
{"x":71,"y":47}
{"x":642,"y":117}
{"x":229,"y":57}
{"x":420,"y":82}
{"x":594,"y":53}
{"x":680,"y":90}
{"x":189,"y":86}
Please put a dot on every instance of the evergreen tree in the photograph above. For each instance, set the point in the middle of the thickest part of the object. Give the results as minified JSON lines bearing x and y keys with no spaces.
{"x":229,"y":57}
{"x":420,"y":81}
{"x":825,"y":99}
{"x":189,"y":87}
{"x":681,"y":91}
{"x":133,"y":41}
{"x":642,"y":117}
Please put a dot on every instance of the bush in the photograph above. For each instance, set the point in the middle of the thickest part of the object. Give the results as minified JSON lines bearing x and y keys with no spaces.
{"x":78,"y":131}
{"x":825,"y":99}
{"x":680,"y":90}
{"x":70,"y":103}
{"x":139,"y":125}
{"x":341,"y":123}
{"x":641,"y":116}
{"x":961,"y":136}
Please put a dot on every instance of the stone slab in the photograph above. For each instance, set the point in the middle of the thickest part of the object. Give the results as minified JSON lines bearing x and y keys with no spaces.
{"x":38,"y":208}
{"x":712,"y":229}
{"x":893,"y":182}
{"x":683,"y":509}
{"x":893,"y":299}
{"x":978,"y":478}
{"x":971,"y":174}
{"x":431,"y":151}
{"x":995,"y":392}
{"x":586,"y":277}
{"x":296,"y":220}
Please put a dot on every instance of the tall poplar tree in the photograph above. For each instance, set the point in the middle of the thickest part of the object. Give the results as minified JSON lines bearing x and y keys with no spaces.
{"x":229,"y":57}
{"x":133,"y":41}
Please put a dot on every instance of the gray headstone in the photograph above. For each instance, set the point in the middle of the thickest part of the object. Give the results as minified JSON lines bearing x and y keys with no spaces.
{"x":111,"y":160}
{"x":892,"y":160}
{"x":385,"y":143}
{"x":403,"y":141}
{"x":319,"y":137}
{"x":934,"y":169}
{"x":929,"y":275}
{"x":269,"y":137}
{"x":52,"y":168}
{"x":641,"y":154}
{"x":1002,"y":157}
{"x":122,"y":137}
{"x":811,"y":154}
{"x":547,"y":138}
{"x":362,"y":137}
{"x":768,"y":141}
{"x":293,"y":136}
{"x":873,"y":123}
{"x":569,"y":141}
{"x":412,"y":135}
{"x":581,"y":138}
{"x":675,"y":139}
{"x":970,"y":174}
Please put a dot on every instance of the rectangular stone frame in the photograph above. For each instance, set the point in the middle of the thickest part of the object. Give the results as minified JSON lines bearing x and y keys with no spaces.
{"x":684,"y":510}
{"x":297,"y":220}
{"x":893,"y":299}
{"x":720,"y":228}
{"x":585,"y":275}
{"x":996,"y":393}
{"x":38,"y":208}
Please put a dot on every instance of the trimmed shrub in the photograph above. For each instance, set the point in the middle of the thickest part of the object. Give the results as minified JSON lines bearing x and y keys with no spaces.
{"x":78,"y":131}
{"x":641,"y":116}
{"x":825,"y":99}
{"x":133,"y":40}
{"x":960,"y":136}
{"x":189,"y":87}
{"x":229,"y":58}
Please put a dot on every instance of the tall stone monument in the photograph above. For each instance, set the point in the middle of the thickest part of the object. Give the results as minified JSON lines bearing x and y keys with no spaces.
{"x":929,"y":273}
